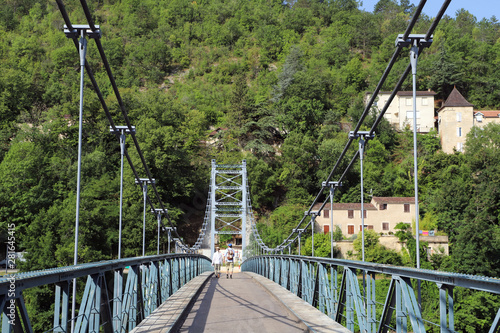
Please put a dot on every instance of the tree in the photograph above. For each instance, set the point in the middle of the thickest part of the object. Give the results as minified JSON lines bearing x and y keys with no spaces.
{"x":322,"y":246}
{"x":405,"y":236}
{"x":375,"y":252}
{"x":477,"y":246}
{"x":280,"y":224}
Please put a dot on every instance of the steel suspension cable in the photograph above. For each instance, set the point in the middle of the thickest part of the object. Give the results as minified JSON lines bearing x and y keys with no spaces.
{"x":120,"y":102}
{"x":367,"y":109}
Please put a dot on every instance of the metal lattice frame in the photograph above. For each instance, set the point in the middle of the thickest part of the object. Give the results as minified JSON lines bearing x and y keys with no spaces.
{"x":228,"y":201}
{"x":150,"y":281}
{"x":316,"y":281}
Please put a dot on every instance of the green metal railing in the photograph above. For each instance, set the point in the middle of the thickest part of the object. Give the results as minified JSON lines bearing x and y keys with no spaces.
{"x":150,"y":281}
{"x":345,"y":291}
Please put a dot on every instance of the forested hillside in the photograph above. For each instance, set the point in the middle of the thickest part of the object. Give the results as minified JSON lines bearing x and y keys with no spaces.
{"x":281,"y":83}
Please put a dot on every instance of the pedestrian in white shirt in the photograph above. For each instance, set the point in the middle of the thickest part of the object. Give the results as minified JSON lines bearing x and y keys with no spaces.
{"x":217,"y":262}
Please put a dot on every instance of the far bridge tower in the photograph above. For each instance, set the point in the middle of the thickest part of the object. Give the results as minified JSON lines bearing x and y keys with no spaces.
{"x":229,"y":203}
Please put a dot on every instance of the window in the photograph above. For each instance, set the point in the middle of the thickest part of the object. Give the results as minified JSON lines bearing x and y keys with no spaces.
{"x":385,"y":226}
{"x":326,"y":228}
{"x":460,"y":146}
{"x":350,"y":229}
{"x":425,"y":101}
{"x":383,"y":206}
{"x":459,"y":131}
{"x":326,"y":213}
{"x":407,"y":208}
{"x":367,"y":226}
{"x":364,"y":214}
{"x":409,"y":114}
{"x":459,"y":116}
{"x":479,"y":117}
{"x":350,"y":214}
{"x":408,"y":101}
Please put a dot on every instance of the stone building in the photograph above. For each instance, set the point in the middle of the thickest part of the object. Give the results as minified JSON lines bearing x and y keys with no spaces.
{"x":456,"y":117}
{"x":382,"y":214}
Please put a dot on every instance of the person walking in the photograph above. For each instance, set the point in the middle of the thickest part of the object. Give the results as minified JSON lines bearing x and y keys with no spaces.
{"x":229,"y":257}
{"x":217,"y":262}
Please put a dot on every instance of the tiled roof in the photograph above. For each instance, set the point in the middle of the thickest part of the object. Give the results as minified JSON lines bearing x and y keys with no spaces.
{"x":418,"y":93}
{"x":407,"y":93}
{"x":394,"y":200}
{"x":455,"y":99}
{"x":217,"y":130}
{"x":346,"y":206}
{"x":489,"y":113}
{"x":368,"y":206}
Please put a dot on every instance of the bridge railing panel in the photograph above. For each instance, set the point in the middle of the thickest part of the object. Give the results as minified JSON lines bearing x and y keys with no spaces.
{"x":150,"y":281}
{"x":345,"y":290}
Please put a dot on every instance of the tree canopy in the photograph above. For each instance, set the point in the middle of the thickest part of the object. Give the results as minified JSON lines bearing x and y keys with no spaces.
{"x":281,"y":83}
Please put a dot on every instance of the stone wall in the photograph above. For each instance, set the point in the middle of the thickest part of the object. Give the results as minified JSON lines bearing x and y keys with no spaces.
{"x":437,"y":244}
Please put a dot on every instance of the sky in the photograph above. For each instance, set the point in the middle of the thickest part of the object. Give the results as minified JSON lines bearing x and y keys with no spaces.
{"x":479,"y":8}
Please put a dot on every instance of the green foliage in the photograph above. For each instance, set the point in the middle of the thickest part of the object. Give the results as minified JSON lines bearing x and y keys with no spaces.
{"x":322,"y":246}
{"x":475,"y":310}
{"x":403,"y":232}
{"x":225,"y":238}
{"x":429,"y":222}
{"x":374,"y":251}
{"x":281,"y":223}
{"x":281,"y":83}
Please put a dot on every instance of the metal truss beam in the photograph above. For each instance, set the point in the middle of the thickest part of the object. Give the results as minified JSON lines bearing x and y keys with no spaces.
{"x":316,"y":281}
{"x":228,"y":200}
{"x":150,"y":281}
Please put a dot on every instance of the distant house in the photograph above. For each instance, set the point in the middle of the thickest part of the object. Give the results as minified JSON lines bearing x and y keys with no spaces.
{"x":456,"y":117}
{"x":381,"y":215}
{"x":400,"y":112}
{"x":213,"y":137}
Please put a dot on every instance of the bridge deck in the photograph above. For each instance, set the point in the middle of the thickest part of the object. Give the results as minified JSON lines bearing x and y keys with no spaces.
{"x":246,"y":303}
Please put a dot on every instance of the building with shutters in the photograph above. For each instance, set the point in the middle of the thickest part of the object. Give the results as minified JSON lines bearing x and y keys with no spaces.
{"x":382,"y":215}
{"x":400,"y":112}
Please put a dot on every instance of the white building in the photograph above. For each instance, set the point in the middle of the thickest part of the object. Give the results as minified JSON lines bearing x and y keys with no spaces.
{"x":400,"y":111}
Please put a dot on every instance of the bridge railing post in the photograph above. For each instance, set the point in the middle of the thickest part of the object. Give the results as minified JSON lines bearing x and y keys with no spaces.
{"x":447,"y":318}
{"x":61,"y":309}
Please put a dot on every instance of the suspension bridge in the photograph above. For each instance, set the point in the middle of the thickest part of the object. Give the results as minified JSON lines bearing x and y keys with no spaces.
{"x":177,"y":290}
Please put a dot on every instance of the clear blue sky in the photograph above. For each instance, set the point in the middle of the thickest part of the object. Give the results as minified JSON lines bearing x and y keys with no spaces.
{"x":479,"y":8}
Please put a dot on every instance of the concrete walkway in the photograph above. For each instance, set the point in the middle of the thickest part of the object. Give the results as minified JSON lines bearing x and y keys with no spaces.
{"x":246,"y":303}
{"x":238,"y":305}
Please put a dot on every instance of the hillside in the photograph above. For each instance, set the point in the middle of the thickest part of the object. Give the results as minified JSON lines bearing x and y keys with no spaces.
{"x":281,"y":80}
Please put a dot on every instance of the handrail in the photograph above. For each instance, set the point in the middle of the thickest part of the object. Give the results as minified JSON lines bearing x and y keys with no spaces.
{"x":150,"y":281}
{"x":475,"y":282}
{"x":334,"y":287}
{"x":52,"y":275}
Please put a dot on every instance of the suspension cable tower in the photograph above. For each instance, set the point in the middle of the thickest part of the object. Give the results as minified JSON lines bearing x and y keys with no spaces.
{"x":228,"y":202}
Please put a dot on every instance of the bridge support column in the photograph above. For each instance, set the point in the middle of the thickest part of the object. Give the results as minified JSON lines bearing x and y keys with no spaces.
{"x":117,"y":299}
{"x":90,"y":308}
{"x":144,"y":183}
{"x":213,"y":209}
{"x":446,"y":296}
{"x":244,"y":208}
{"x":61,"y":309}
{"x":229,"y":204}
